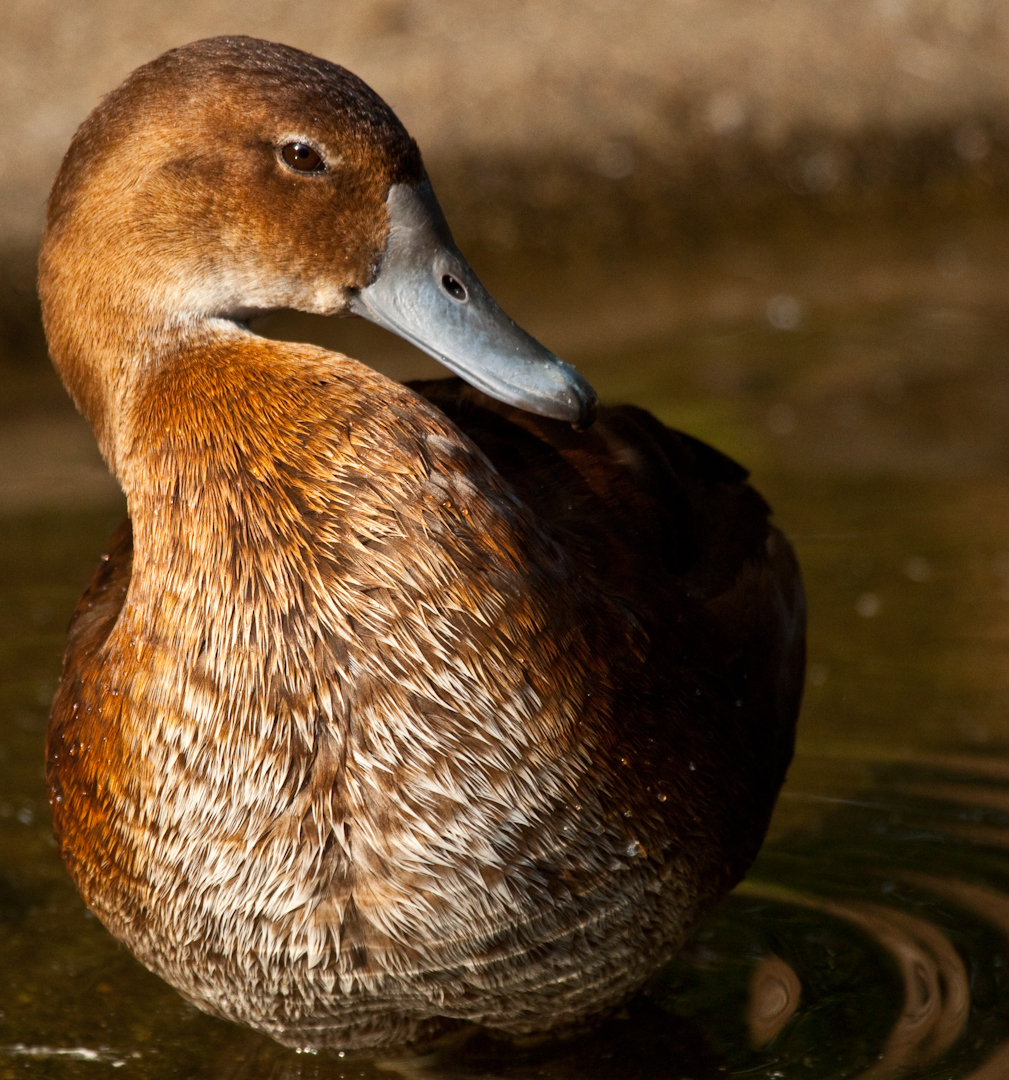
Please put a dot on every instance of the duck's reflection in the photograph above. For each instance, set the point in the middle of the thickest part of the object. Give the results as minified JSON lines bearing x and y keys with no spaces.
{"x":642,"y":1042}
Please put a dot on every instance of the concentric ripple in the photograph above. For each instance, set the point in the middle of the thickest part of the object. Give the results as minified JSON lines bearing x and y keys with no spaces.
{"x":876,"y":930}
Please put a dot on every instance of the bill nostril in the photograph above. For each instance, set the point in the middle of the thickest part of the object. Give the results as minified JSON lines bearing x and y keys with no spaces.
{"x":454,"y":288}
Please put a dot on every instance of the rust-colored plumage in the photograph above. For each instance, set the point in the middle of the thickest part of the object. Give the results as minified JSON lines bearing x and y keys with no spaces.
{"x":387,"y":706}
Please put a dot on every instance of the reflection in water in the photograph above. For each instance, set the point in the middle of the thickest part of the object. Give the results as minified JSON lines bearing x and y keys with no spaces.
{"x":871,"y":939}
{"x":936,"y":996}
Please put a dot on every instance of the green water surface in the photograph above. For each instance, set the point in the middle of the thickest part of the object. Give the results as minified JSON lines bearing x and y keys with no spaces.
{"x":873,"y":412}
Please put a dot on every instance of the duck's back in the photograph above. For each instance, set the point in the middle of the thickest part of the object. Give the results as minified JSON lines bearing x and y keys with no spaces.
{"x":669,"y":528}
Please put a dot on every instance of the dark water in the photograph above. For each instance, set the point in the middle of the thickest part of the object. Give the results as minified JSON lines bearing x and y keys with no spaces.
{"x":867,"y":385}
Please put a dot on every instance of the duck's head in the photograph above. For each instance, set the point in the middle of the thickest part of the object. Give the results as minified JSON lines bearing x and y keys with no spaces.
{"x":232,"y":177}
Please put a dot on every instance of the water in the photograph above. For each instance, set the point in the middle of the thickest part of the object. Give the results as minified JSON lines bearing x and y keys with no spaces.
{"x":864,"y":380}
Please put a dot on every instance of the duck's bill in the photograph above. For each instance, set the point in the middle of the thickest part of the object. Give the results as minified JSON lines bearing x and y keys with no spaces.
{"x":425,"y":292}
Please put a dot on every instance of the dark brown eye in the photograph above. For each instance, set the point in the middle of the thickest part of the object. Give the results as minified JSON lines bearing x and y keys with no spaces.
{"x":302,"y":157}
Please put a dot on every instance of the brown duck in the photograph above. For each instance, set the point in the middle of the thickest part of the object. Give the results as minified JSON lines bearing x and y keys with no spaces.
{"x":388,"y":705}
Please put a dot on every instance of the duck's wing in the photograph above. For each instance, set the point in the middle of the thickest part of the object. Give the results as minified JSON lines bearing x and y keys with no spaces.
{"x":669,"y":527}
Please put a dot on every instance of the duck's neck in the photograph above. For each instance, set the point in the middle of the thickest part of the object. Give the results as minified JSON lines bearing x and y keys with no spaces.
{"x":217,"y":445}
{"x":120,"y":304}
{"x":109,"y":338}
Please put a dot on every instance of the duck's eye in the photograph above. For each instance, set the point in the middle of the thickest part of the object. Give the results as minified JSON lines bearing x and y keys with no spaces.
{"x":301,"y":157}
{"x":454,"y":287}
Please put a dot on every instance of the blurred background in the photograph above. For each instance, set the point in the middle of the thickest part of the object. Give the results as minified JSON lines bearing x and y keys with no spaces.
{"x":650,"y":113}
{"x":663,"y":163}
{"x":781,"y":225}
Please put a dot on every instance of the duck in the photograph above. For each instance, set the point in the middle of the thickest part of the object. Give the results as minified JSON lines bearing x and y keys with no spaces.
{"x":389,"y":708}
